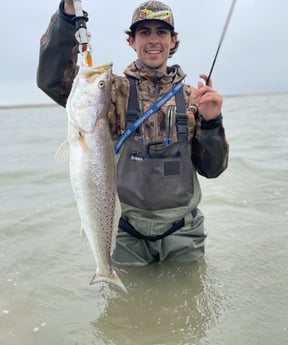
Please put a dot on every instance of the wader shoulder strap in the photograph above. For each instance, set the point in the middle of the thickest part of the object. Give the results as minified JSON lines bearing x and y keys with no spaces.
{"x":181,"y":117}
{"x":133,"y":111}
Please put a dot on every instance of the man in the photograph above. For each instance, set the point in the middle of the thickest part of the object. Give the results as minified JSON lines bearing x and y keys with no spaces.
{"x":156,"y":168}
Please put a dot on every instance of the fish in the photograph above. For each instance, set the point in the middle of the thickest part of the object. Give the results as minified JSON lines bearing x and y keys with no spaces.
{"x":89,"y":147}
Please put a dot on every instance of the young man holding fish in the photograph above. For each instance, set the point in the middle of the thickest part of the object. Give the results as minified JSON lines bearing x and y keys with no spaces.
{"x":157,"y":166}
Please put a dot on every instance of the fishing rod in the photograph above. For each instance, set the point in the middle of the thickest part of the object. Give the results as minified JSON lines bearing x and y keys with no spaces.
{"x":82,"y":35}
{"x":221,"y":39}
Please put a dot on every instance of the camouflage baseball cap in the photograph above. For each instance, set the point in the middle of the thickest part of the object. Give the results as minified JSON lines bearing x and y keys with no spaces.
{"x":152,"y":10}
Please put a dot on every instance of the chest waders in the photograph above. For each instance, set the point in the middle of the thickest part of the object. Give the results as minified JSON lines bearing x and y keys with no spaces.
{"x":152,"y":178}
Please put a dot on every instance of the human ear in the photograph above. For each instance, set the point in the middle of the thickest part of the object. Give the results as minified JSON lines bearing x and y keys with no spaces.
{"x":173,"y":41}
{"x":131,"y":42}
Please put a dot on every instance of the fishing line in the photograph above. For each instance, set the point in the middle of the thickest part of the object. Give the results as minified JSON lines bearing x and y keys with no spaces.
{"x":221,"y":39}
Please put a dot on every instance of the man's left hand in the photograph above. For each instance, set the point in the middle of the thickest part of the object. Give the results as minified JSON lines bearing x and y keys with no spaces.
{"x":208,"y":101}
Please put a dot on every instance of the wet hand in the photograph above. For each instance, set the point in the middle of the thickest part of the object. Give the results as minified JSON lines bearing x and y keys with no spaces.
{"x":208,"y":101}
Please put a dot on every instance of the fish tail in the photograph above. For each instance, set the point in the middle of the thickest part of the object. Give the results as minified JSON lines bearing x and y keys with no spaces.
{"x":115,"y":280}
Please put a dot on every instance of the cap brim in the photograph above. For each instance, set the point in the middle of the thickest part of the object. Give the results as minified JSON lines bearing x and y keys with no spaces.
{"x":133,"y":26}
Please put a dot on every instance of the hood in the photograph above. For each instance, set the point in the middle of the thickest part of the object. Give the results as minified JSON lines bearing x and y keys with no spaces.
{"x":140,"y":71}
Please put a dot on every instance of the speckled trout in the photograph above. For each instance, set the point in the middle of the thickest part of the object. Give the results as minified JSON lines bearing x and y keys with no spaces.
{"x":92,"y":166}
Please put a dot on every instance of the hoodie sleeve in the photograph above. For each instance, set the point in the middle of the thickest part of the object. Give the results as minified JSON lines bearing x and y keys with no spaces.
{"x":57,"y":65}
{"x":210,"y":149}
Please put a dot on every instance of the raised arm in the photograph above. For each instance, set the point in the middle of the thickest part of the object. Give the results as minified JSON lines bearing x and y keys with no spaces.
{"x":58,"y":55}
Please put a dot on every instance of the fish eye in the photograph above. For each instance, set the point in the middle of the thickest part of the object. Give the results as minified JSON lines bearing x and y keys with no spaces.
{"x":101,"y":84}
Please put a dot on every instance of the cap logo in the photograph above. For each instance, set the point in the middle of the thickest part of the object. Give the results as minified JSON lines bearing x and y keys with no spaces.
{"x":160,"y":15}
{"x":153,"y":10}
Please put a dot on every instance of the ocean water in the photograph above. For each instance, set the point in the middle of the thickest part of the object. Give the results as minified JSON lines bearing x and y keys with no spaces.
{"x":237,"y":294}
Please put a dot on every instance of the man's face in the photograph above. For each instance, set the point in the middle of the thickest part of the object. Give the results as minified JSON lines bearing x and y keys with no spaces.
{"x":152,"y":43}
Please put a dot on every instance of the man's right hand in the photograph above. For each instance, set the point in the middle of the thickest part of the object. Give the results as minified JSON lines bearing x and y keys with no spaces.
{"x":69,"y":7}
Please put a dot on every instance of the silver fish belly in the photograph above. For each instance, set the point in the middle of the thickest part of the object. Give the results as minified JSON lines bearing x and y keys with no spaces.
{"x":92,"y":166}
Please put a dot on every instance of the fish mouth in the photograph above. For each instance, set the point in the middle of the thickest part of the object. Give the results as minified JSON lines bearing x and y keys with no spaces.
{"x":104,"y":67}
{"x":94,"y":72}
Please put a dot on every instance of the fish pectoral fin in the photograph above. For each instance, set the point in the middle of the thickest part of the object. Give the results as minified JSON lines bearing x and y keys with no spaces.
{"x":83,"y":143}
{"x":114,"y":280}
{"x":62,"y":154}
{"x":82,"y":232}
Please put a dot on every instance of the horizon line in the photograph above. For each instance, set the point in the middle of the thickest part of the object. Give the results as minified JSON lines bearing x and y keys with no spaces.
{"x":54,"y":104}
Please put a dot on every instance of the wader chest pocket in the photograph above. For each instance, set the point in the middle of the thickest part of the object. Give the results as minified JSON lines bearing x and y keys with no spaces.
{"x":171,"y":168}
{"x":155,"y":178}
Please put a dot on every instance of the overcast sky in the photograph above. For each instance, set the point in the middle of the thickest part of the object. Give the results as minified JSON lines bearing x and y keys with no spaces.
{"x":253,"y":57}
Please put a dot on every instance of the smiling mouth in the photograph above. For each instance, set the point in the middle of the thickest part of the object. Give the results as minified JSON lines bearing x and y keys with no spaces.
{"x":153,"y":51}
